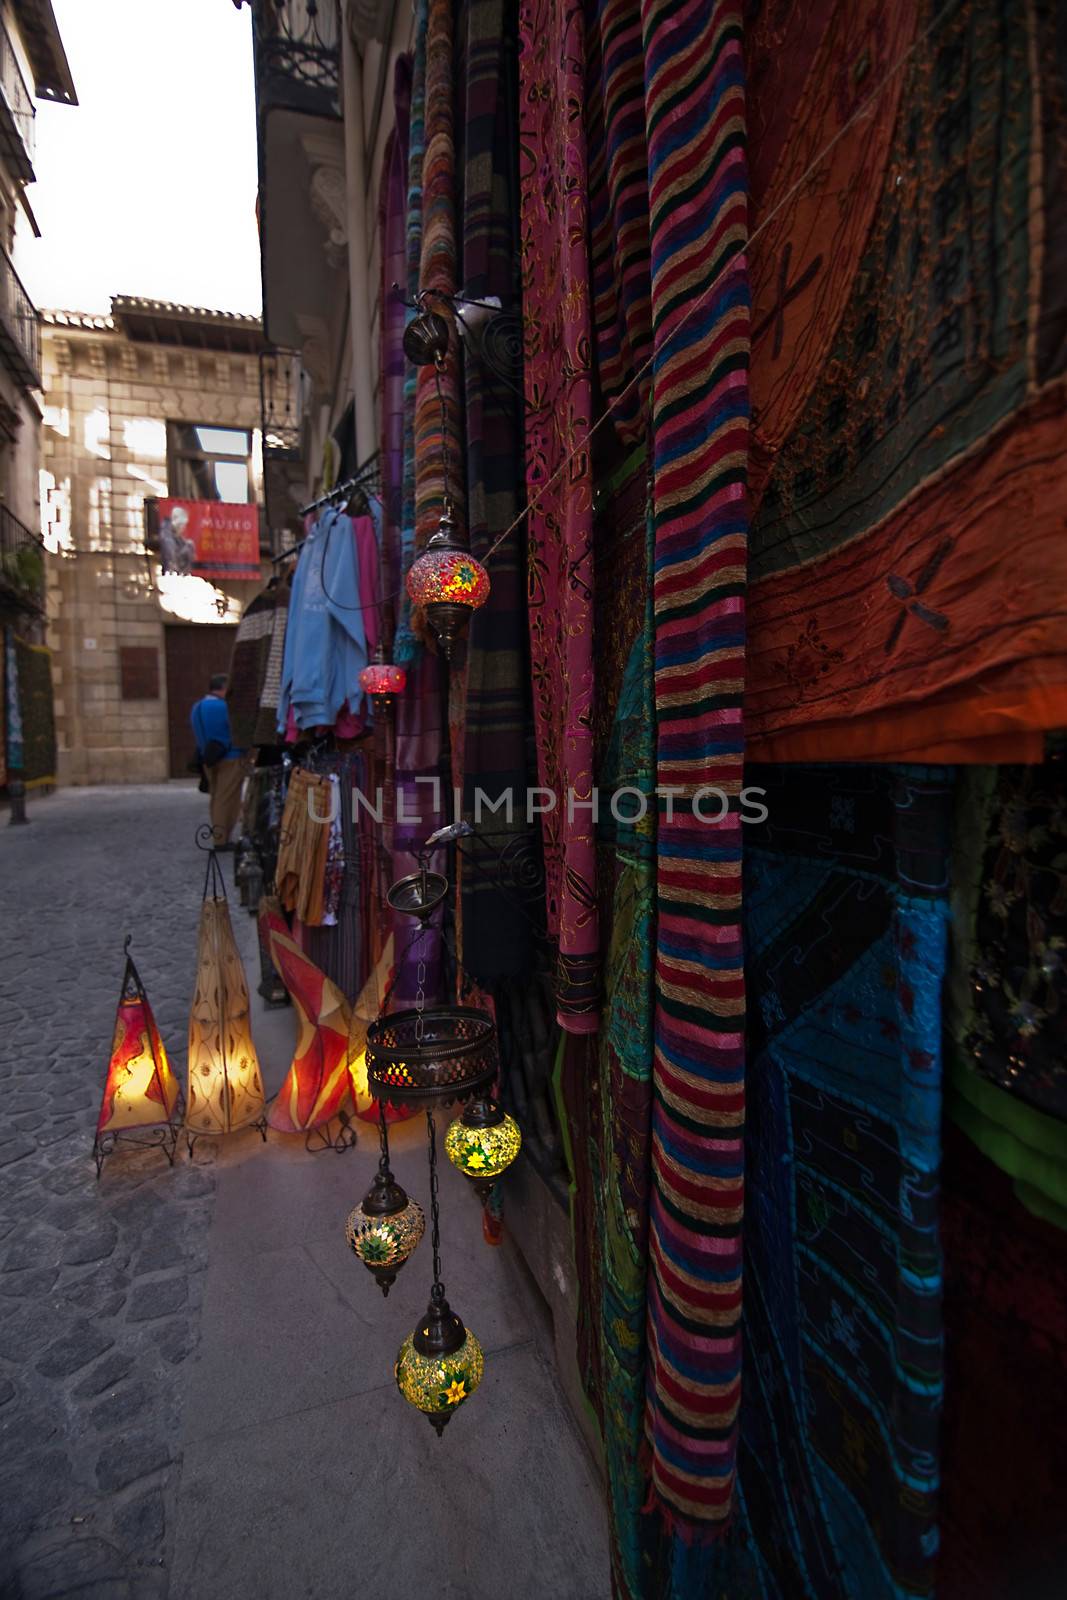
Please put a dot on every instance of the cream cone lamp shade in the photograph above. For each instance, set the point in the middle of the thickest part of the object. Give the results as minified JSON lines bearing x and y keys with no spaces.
{"x":224,"y":1087}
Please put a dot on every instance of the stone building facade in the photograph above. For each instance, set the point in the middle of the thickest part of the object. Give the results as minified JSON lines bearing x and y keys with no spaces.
{"x":126,"y":399}
{"x":33,"y":66}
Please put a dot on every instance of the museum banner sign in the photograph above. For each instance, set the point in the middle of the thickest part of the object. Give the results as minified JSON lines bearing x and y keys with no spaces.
{"x":207,"y":538}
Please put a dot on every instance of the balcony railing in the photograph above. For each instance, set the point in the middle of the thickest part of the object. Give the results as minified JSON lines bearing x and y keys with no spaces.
{"x":21,"y":563}
{"x":20,"y":328}
{"x":17,"y":112}
{"x":298,"y":56}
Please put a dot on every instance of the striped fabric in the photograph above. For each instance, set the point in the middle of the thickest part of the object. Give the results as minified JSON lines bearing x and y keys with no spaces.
{"x":495,"y":940}
{"x":694,"y":121}
{"x":618,"y":209}
{"x":405,"y":645}
{"x":438,"y":271}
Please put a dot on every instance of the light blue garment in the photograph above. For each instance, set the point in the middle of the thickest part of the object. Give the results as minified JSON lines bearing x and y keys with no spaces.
{"x":325,"y":641}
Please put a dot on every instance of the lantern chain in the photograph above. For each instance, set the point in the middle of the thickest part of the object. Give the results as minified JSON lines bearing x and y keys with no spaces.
{"x":446,"y":454}
{"x":420,"y":998}
{"x":437,"y":1293}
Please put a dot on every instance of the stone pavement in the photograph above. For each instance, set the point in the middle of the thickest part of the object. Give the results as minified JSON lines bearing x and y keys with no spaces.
{"x":196,"y":1392}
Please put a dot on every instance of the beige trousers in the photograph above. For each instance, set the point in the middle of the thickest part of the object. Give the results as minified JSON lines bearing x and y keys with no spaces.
{"x":225,"y":780}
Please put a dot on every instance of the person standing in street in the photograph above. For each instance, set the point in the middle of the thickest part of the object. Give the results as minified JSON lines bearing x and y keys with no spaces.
{"x":224,"y":765}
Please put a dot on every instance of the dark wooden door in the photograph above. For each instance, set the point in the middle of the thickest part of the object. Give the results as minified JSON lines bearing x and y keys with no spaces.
{"x":194,"y":652}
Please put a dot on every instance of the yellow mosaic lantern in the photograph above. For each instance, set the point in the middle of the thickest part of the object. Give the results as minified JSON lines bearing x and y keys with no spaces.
{"x":439,"y":1365}
{"x":482,"y":1142}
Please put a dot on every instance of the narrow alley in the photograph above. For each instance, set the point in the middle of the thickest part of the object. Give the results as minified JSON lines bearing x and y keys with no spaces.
{"x":195,"y":1373}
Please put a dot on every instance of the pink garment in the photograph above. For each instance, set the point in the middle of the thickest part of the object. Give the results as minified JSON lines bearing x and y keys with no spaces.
{"x":555,"y":272}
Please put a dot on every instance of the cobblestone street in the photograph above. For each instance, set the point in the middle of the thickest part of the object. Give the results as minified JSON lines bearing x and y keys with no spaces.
{"x":196,"y":1390}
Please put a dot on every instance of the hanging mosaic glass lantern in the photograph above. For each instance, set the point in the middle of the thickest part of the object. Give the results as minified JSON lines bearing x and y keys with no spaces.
{"x":482,"y":1142}
{"x":439,"y":1365}
{"x":448,"y":581}
{"x":383,"y":682}
{"x":386,"y":1226}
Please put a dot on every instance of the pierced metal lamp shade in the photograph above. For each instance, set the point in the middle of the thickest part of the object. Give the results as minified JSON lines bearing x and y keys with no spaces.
{"x":439,"y":1365}
{"x":482,"y":1142}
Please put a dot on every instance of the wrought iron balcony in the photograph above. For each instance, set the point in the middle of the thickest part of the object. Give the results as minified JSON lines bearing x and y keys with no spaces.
{"x":18,"y":114}
{"x":298,"y":56}
{"x":21,"y":563}
{"x":20,"y":328}
{"x":281,"y":394}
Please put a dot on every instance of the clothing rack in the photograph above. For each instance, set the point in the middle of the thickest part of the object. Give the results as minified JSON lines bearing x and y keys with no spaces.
{"x":363,"y":476}
{"x":361,"y":480}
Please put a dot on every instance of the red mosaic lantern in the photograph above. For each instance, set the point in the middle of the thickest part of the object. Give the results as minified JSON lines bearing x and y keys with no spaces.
{"x":449,"y":582}
{"x":383,"y":682}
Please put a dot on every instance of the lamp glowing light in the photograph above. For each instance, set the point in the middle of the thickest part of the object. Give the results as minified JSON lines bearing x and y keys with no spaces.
{"x":141,"y":1091}
{"x":482,"y":1143}
{"x":439,"y":1365}
{"x":224,"y":1089}
{"x":384,"y":1229}
{"x":448,"y":581}
{"x":383,"y":681}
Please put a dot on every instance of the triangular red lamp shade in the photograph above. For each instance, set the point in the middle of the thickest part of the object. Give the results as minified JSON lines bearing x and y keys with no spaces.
{"x":316,"y":1087}
{"x":141,"y":1092}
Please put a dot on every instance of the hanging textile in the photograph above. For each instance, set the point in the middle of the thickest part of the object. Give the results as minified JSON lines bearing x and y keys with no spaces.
{"x":224,"y":1090}
{"x":249,"y":660}
{"x":1003,"y":1447}
{"x":316,"y":1087}
{"x":495,"y":940}
{"x":265,"y":730}
{"x":419,"y":813}
{"x":846,"y":920}
{"x":558,"y":392}
{"x":694,"y":114}
{"x":405,"y":645}
{"x":1006,"y":1018}
{"x":909,"y":574}
{"x":392,"y":221}
{"x":340,"y":947}
{"x":438,"y":431}
{"x":303,"y":845}
{"x":36,"y":713}
{"x":1008,"y":1010}
{"x":325,"y":635}
{"x":607,"y":1096}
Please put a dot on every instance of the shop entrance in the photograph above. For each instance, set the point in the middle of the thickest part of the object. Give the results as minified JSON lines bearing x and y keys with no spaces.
{"x":194,"y":652}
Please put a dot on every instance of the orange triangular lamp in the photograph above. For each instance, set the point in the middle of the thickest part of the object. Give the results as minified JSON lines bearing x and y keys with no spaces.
{"x":141,"y":1094}
{"x":224,"y":1087}
{"x":316,"y":1088}
{"x":369,"y":1002}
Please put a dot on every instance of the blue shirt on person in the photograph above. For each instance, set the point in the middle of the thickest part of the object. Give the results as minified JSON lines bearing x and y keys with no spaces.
{"x":211,"y":720}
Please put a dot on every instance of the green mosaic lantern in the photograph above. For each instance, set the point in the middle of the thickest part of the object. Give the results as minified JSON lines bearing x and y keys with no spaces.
{"x":482,"y":1142}
{"x":383,"y":1230}
{"x":386,"y":1226}
{"x":439,"y":1365}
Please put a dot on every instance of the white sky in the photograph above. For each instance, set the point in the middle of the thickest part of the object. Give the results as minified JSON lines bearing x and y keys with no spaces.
{"x":148,"y":185}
